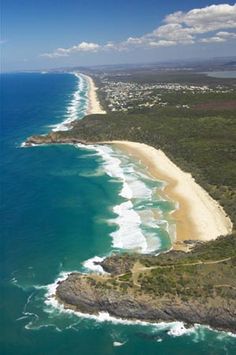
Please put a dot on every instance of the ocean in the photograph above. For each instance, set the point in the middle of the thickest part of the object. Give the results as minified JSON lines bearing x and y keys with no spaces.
{"x":64,"y":207}
{"x":222,"y":74}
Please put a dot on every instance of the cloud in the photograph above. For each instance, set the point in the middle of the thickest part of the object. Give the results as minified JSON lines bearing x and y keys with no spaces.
{"x":222,"y":36}
{"x":188,"y":27}
{"x":174,"y":31}
{"x":214,"y":39}
{"x":210,"y":18}
{"x":226,"y":35}
{"x":87,"y":47}
{"x":179,"y":28}
{"x":161,"y":43}
{"x":65,"y":52}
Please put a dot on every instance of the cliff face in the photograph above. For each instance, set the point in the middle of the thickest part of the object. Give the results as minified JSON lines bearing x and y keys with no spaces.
{"x":87,"y":295}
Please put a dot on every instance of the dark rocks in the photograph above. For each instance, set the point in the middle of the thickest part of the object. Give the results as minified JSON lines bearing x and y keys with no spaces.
{"x":52,"y":138}
{"x":80,"y":293}
{"x":117,"y":264}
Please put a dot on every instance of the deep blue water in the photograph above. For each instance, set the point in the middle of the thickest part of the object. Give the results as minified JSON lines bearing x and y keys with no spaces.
{"x":56,"y":209}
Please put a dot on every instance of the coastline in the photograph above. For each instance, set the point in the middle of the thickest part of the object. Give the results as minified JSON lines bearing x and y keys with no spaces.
{"x":198,"y":216}
{"x":194,"y":202}
{"x":94,"y":106}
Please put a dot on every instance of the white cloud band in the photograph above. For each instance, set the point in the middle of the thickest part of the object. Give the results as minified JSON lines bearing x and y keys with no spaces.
{"x":180,"y":28}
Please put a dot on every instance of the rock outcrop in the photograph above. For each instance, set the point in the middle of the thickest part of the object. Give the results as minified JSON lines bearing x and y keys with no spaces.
{"x":87,"y":294}
{"x":52,"y":138}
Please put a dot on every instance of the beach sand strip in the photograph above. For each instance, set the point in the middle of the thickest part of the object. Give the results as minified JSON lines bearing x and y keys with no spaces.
{"x":198,"y":216}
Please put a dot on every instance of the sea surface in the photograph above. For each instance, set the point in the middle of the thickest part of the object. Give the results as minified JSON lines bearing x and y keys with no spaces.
{"x":64,"y":206}
{"x":222,"y":74}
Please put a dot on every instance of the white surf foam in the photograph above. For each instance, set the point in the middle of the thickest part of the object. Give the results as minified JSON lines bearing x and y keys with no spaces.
{"x":23,"y":145}
{"x":129,"y":234}
{"x":178,"y":329}
{"x":21,"y":318}
{"x":91,"y":265}
{"x":173,"y":328}
{"x":31,"y":316}
{"x":112,"y":167}
{"x":118,"y":343}
{"x":51,"y":290}
{"x":74,"y":109}
{"x":133,"y":187}
{"x":139,"y":189}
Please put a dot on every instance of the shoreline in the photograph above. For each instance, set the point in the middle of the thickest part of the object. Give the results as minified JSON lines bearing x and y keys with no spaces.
{"x":206,"y":218}
{"x":198,"y":216}
{"x":94,"y":106}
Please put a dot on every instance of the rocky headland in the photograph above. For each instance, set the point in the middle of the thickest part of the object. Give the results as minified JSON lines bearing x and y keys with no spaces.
{"x":196,"y":287}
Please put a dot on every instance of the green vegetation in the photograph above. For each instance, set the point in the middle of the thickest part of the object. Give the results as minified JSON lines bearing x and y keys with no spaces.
{"x":191,"y":99}
{"x":202,"y":142}
{"x":208,"y":271}
{"x":192,"y":281}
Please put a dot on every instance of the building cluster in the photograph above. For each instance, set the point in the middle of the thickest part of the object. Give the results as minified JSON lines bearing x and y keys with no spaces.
{"x":124,"y":96}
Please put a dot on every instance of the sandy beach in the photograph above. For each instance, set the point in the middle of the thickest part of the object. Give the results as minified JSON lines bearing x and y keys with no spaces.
{"x":94,"y":104}
{"x":198,"y":216}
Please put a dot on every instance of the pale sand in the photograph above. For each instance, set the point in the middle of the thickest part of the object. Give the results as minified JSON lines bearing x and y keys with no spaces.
{"x":198,"y":216}
{"x":94,"y":104}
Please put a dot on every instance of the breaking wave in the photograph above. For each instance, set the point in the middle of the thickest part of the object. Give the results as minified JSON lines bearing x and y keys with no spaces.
{"x":136,"y":225}
{"x":77,"y":107}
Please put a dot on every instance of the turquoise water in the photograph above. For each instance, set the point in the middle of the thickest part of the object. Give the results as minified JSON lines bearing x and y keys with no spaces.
{"x":62,"y":206}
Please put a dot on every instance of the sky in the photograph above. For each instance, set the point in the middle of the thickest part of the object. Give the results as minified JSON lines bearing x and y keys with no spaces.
{"x":42,"y":34}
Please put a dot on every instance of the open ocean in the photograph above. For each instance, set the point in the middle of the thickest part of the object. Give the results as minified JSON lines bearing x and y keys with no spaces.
{"x":63,"y":207}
